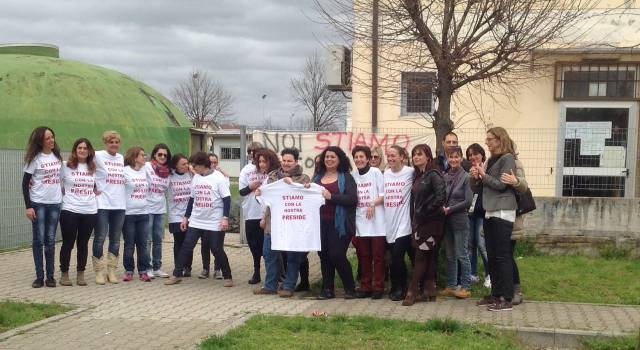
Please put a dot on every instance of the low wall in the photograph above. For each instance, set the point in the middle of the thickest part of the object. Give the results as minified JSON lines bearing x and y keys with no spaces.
{"x":561,"y":225}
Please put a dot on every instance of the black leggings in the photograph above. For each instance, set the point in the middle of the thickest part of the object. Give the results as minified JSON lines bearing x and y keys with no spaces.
{"x":216,"y":244}
{"x":497,"y":235}
{"x":76,"y":229}
{"x":333,"y":257}
{"x":255,"y":238}
{"x":516,"y":272}
{"x":398,"y":266}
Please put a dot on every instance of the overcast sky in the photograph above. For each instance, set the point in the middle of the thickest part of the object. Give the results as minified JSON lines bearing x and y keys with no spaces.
{"x":252,"y":46}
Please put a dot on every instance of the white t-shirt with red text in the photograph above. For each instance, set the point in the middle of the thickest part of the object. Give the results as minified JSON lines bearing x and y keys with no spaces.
{"x":179,"y":194}
{"x":79,"y":195}
{"x":251,"y":209}
{"x":397,"y":195}
{"x":45,"y":180}
{"x":137,"y":191}
{"x":370,"y":187}
{"x":110,"y":181}
{"x":157,"y":190}
{"x":207,"y":193}
{"x":295,"y":215}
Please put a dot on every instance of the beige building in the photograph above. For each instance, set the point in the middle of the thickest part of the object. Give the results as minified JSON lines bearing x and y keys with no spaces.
{"x":575,"y":122}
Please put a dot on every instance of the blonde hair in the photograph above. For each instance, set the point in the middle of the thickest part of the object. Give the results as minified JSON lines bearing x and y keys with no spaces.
{"x":110,"y":135}
{"x":378,"y":150}
{"x":506,"y":144}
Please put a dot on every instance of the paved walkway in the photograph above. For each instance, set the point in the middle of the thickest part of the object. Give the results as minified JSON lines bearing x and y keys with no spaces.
{"x":139,"y":315}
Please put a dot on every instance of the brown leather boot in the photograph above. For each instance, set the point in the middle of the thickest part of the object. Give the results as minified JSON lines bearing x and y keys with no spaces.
{"x":80,"y":278}
{"x":64,"y":279}
{"x":410,"y":298}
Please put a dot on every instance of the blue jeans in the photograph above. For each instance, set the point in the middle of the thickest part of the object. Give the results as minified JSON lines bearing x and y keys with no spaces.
{"x":456,"y":241}
{"x":293,"y":267}
{"x":476,"y":243}
{"x":136,"y":235}
{"x":271,"y":264}
{"x":156,"y":227}
{"x":109,"y":221}
{"x":44,"y":236}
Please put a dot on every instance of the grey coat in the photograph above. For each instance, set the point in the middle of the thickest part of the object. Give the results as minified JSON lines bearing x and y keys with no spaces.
{"x":495,"y":194}
{"x":459,"y":199}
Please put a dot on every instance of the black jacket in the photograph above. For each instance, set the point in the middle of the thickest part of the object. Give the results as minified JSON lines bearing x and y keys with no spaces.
{"x":429,"y":196}
{"x":349,"y":200}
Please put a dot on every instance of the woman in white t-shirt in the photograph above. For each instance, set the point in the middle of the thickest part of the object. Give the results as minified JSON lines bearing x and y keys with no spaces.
{"x":370,"y":231}
{"x":398,"y":179}
{"x":179,"y":193}
{"x":204,"y":244}
{"x":207,"y":215}
{"x":79,"y":208}
{"x":42,"y":196}
{"x":111,"y":206}
{"x":158,"y":172}
{"x":136,"y":219}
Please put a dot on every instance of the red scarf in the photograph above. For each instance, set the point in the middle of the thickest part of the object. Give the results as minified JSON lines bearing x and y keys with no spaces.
{"x":162,"y":170}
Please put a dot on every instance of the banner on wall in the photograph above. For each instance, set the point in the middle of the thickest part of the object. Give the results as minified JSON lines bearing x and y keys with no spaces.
{"x":311,"y":144}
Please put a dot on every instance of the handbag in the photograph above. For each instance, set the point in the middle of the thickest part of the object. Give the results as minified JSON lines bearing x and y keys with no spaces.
{"x":526,"y":203}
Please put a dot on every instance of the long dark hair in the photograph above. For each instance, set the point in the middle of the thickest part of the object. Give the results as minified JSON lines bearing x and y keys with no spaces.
{"x":35,"y":144}
{"x":270,"y":156}
{"x":344,"y":166}
{"x":475,"y":148}
{"x":72,"y":163}
{"x":431,"y":165}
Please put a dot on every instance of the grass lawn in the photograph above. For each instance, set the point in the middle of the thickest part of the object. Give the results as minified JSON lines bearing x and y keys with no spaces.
{"x":16,"y":314}
{"x":339,"y":332}
{"x":620,"y":343}
{"x":569,"y":278}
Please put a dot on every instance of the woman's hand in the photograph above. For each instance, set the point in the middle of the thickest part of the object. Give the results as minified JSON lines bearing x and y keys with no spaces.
{"x":307,"y":185}
{"x":371,"y":211}
{"x":184,"y":224}
{"x":31,"y":214}
{"x":509,"y":179}
{"x":224,"y":224}
{"x":262,"y":223}
{"x":326,"y":194}
{"x":258,"y":192}
{"x":288,"y":180}
{"x":446,"y":210}
{"x":254,"y":185}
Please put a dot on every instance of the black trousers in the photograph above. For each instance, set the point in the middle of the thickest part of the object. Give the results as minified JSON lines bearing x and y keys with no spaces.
{"x":516,"y":272}
{"x":398,"y":268}
{"x":216,"y":245}
{"x":255,"y":238}
{"x":178,"y":240}
{"x":76,"y":229}
{"x":333,"y":257}
{"x":497,"y":235}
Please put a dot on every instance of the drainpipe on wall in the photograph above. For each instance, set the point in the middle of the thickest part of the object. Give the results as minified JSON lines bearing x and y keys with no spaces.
{"x":374,"y":68}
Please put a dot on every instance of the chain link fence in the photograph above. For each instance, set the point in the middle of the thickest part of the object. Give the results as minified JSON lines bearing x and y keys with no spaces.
{"x":575,"y":161}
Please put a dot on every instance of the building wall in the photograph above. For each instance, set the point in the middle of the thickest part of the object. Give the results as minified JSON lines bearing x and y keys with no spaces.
{"x":231,"y":167}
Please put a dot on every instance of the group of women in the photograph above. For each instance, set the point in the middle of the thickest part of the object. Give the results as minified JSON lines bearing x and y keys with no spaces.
{"x":387,"y":211}
{"x":394,"y":210}
{"x":112,"y":195}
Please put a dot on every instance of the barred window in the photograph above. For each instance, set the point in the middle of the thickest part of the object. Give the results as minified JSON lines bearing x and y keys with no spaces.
{"x":596,"y":81}
{"x":229,"y":153}
{"x":417,"y":93}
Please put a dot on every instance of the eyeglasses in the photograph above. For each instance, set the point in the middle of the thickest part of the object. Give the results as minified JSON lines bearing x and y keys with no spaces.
{"x":161,"y":155}
{"x":489,"y":139}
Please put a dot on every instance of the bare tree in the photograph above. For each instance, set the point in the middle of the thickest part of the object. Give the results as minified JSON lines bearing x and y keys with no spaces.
{"x":490,"y":45}
{"x":327,"y":109}
{"x":203,"y":100}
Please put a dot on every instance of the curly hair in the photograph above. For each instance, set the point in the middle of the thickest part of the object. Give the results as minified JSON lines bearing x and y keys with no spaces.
{"x":344,"y":165}
{"x":72,"y":163}
{"x":270,"y":156}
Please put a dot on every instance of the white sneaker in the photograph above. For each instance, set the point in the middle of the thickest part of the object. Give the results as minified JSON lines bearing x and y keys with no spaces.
{"x":150,"y":274}
{"x":487,"y":282}
{"x":217,"y":274}
{"x":160,"y":273}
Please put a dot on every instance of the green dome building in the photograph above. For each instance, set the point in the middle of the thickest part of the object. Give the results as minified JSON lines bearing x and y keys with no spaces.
{"x":81,"y":100}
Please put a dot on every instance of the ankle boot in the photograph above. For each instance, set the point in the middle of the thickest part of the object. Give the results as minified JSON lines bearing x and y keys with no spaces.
{"x":64,"y":279}
{"x":518,"y":297}
{"x":112,"y":266}
{"x":80,"y":279}
{"x":98,"y":267}
{"x":410,"y":298}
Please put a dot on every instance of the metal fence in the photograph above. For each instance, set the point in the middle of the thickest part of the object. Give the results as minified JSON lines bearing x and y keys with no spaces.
{"x":574,"y":161}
